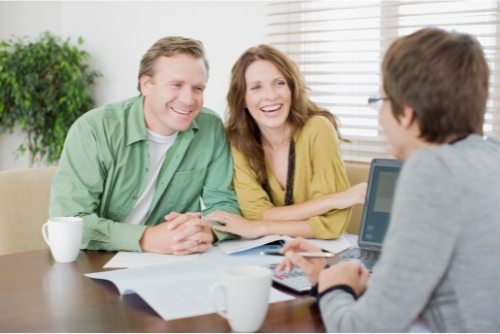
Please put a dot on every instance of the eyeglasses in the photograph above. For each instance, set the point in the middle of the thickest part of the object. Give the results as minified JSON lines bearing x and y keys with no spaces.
{"x":376,"y":102}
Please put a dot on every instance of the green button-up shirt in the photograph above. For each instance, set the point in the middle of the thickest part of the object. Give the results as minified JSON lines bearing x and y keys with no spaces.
{"x":104,"y":167}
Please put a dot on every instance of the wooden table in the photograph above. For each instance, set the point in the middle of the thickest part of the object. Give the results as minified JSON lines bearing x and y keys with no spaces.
{"x":39,"y":295}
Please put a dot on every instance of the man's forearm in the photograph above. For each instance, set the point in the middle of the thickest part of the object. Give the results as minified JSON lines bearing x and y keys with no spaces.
{"x":104,"y":234}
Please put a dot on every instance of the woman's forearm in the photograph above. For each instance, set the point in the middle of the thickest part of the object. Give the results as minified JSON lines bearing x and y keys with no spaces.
{"x":303,"y":211}
{"x":319,"y":206}
{"x":290,"y":228}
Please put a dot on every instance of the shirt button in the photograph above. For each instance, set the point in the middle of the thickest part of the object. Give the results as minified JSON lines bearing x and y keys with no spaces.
{"x":147,"y":169}
{"x":135,"y":197}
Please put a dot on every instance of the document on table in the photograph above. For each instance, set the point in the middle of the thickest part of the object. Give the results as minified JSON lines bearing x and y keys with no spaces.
{"x":247,"y":251}
{"x":134,"y":259}
{"x":176,"y":290}
{"x":234,"y":246}
{"x":177,"y":286}
{"x":334,"y":246}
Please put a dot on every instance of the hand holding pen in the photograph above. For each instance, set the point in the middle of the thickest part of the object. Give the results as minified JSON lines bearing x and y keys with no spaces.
{"x":311,"y":266}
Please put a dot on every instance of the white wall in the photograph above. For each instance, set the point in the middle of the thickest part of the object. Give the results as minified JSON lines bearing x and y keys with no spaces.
{"x":117,"y":34}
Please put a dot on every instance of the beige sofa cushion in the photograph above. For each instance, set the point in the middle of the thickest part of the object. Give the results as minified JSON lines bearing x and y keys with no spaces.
{"x":24,"y":203}
{"x":357,"y":173}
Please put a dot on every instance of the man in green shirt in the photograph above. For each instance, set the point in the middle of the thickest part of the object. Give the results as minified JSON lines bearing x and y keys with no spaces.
{"x":135,"y":170}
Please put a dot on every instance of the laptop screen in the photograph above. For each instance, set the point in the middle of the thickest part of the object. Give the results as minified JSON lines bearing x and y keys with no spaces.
{"x":380,"y":194}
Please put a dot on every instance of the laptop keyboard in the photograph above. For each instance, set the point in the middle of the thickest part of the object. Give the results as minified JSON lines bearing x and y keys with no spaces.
{"x":370,"y":255}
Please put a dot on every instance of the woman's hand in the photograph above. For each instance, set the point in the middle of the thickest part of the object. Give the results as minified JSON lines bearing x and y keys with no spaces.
{"x":352,"y":274}
{"x":350,"y":197}
{"x":311,"y":266}
{"x":236,"y":224}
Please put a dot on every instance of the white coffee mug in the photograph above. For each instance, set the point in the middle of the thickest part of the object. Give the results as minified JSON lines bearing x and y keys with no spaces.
{"x":246,"y":290}
{"x":64,"y":236}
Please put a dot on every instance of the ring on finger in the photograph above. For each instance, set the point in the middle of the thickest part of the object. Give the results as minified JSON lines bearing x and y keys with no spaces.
{"x":225,"y":220}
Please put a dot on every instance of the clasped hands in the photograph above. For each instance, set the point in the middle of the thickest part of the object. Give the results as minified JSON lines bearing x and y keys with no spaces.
{"x":352,"y":274}
{"x":180,"y":234}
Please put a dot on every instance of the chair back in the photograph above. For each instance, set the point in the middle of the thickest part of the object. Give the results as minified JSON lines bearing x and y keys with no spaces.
{"x":24,"y":208}
{"x":356,"y":173}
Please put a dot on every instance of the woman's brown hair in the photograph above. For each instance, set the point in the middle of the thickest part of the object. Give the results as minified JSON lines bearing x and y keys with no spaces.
{"x":241,"y":128}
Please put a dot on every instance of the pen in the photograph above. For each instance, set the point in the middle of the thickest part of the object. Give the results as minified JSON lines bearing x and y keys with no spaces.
{"x":304,"y":254}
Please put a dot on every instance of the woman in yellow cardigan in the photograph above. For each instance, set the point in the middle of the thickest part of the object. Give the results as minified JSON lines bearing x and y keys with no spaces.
{"x":289,"y":175}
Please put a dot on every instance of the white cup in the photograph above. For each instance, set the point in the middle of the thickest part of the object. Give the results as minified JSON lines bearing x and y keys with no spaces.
{"x":64,"y":236}
{"x":246,"y":290}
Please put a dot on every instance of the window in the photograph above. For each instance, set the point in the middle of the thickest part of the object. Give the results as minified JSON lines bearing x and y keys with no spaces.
{"x":339,"y":45}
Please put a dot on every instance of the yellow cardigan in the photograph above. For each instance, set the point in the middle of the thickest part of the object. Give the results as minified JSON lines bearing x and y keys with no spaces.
{"x":319,"y":170}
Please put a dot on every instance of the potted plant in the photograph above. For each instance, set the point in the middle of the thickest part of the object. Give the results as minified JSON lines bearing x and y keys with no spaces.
{"x":44,"y":88}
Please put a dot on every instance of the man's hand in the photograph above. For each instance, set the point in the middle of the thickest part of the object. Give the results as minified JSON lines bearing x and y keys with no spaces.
{"x":194,"y":234}
{"x":181,"y":234}
{"x":311,"y":266}
{"x":352,"y":274}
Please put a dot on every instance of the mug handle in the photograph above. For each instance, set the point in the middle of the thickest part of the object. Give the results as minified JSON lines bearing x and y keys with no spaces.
{"x":212,"y":290}
{"x":45,"y":233}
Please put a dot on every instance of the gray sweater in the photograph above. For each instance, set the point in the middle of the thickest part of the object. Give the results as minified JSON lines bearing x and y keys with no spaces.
{"x":441,"y":254}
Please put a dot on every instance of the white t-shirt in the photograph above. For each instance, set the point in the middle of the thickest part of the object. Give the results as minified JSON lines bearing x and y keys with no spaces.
{"x":158,"y":148}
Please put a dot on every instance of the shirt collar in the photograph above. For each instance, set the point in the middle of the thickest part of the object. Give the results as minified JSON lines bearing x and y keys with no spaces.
{"x":136,"y":125}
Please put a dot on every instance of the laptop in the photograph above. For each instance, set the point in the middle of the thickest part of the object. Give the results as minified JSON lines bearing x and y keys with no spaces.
{"x":376,"y":212}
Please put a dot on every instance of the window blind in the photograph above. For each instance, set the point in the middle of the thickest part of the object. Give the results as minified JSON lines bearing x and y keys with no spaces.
{"x":339,"y":46}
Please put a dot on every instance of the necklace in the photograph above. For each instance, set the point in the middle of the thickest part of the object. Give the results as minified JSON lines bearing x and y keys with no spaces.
{"x":289,"y":177}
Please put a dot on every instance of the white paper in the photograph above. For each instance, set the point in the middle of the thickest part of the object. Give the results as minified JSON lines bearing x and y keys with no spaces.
{"x":243,"y":247}
{"x":127,"y":280}
{"x":177,"y":286}
{"x":190,"y":299}
{"x":175,"y":290}
{"x":135,"y":259}
{"x":334,"y":246}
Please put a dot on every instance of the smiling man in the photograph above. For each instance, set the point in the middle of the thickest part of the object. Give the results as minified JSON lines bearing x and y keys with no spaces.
{"x":135,"y":170}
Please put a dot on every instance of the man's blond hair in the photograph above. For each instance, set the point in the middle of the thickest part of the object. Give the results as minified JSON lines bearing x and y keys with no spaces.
{"x":168,"y":47}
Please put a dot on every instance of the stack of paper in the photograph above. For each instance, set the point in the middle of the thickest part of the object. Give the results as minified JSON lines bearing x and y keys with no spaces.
{"x":176,"y":290}
{"x":177,"y":286}
{"x":215,"y":254}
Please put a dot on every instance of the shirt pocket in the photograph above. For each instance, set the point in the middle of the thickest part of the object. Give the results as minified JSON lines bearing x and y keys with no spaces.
{"x":186,"y":186}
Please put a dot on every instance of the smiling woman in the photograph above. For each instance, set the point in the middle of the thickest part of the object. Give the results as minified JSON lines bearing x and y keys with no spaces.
{"x":289,"y":175}
{"x":268,"y":99}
